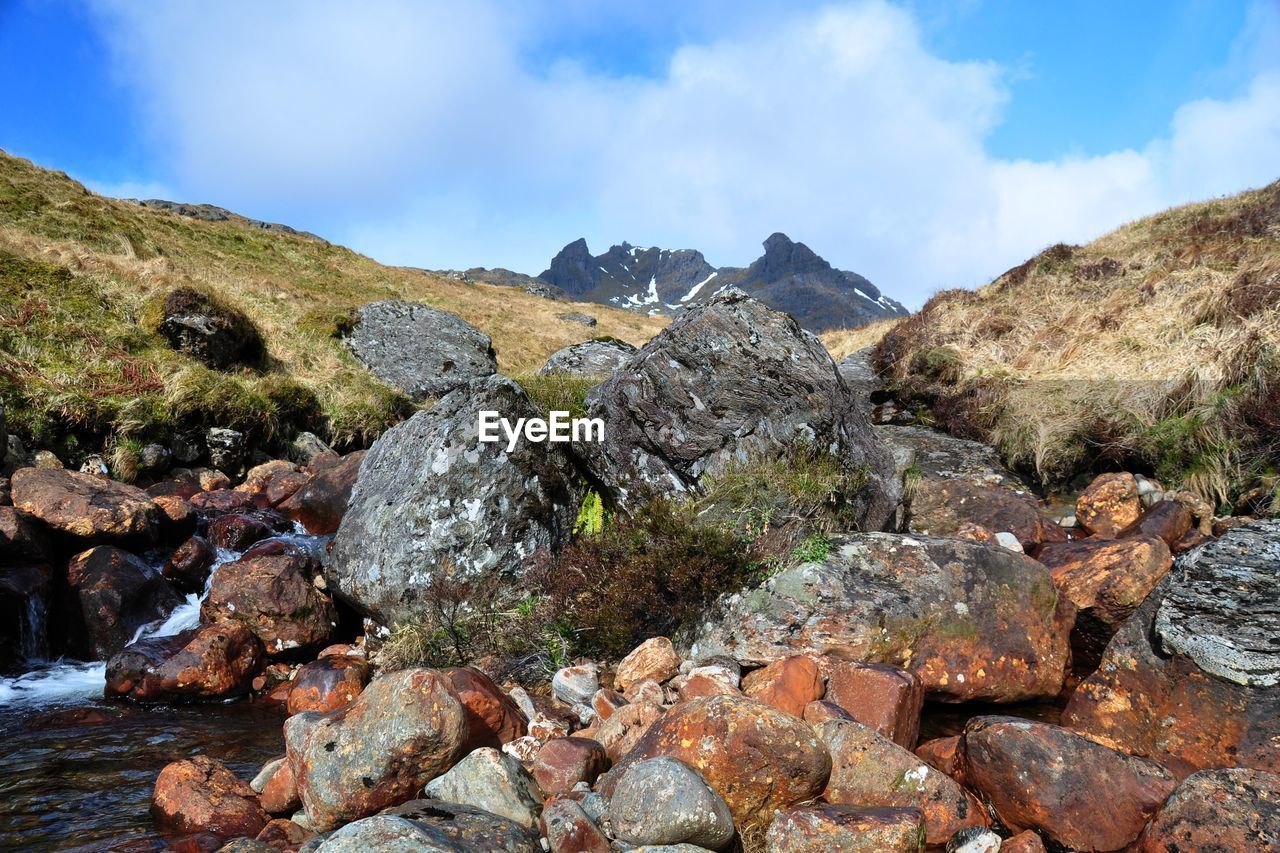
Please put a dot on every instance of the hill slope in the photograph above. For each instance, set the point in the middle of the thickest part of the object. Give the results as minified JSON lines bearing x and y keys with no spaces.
{"x":81,"y":277}
{"x":1157,"y":345}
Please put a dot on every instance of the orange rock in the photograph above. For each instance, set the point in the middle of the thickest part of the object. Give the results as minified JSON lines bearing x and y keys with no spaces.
{"x":328,"y":684}
{"x":280,"y":794}
{"x":787,"y":684}
{"x":626,"y":726}
{"x":940,"y":754}
{"x":564,"y":762}
{"x":605,"y":702}
{"x":653,"y":659}
{"x":823,"y":710}
{"x":1166,"y":519}
{"x":201,"y":795}
{"x":568,"y":829}
{"x":883,"y":697}
{"x":1109,"y":505}
{"x":284,"y":835}
{"x":1228,"y":809}
{"x":645,"y":691}
{"x":821,"y":828}
{"x":493,"y":718}
{"x":1023,"y":842}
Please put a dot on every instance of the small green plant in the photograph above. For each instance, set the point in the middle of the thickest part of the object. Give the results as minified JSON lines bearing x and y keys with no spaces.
{"x":591,"y":515}
{"x":558,"y":392}
{"x":814,"y":549}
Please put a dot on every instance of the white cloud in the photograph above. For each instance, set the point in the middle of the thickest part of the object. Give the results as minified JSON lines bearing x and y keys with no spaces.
{"x":416,"y":132}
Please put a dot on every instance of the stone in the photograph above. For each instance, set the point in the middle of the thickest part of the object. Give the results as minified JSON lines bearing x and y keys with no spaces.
{"x":1079,"y":793}
{"x":188,"y":567}
{"x":788,"y":684}
{"x":1024,"y":842}
{"x":1226,"y":809}
{"x":564,"y":762}
{"x":577,"y":317}
{"x":576,"y":684}
{"x":940,"y":754}
{"x":1169,"y":520}
{"x":490,"y":780}
{"x":1191,"y":678}
{"x":975,"y":622}
{"x":305,"y":447}
{"x":404,"y":730}
{"x":209,"y":662}
{"x":432,"y":498}
{"x":1108,"y":505}
{"x":154,"y":460}
{"x":257,"y":783}
{"x":222,"y":500}
{"x":717,"y":677}
{"x":328,"y":684}
{"x":178,"y":518}
{"x":113,"y":594}
{"x":322,"y":501}
{"x":885,"y":698}
{"x":492,"y":717}
{"x":284,"y":836}
{"x":939,"y":507}
{"x":228,"y":449}
{"x":974,"y":839}
{"x":280,"y":793}
{"x":568,"y":829}
{"x":646,"y":691}
{"x":47,"y":460}
{"x":821,"y":827}
{"x":25,"y":592}
{"x":625,"y":727}
{"x":211,"y":480}
{"x":605,"y":702}
{"x":727,"y":381}
{"x":259,"y":478}
{"x":208,"y":330}
{"x":86,"y":509}
{"x":758,"y":758}
{"x":664,"y":801}
{"x":868,"y":769}
{"x":423,"y":351}
{"x":238,"y":530}
{"x":95,"y":466}
{"x":655,"y":658}
{"x":595,"y":359}
{"x":468,"y":828}
{"x":821,"y":710}
{"x":201,"y":795}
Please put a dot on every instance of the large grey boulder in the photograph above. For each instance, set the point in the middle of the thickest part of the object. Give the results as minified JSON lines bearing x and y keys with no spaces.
{"x":664,"y":801}
{"x":491,"y":780}
{"x":593,"y":359}
{"x":725,"y":383}
{"x":431,"y":497}
{"x":975,"y":621}
{"x":423,"y":351}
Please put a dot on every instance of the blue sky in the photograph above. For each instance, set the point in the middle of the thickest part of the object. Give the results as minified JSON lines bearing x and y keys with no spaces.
{"x":926,"y":145}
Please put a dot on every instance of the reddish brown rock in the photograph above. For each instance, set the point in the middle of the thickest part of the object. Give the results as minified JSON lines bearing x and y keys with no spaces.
{"x":948,"y":507}
{"x":258,"y":478}
{"x":236,"y":531}
{"x":1192,"y":540}
{"x":655,"y":658}
{"x":1023,"y":842}
{"x":566,"y":761}
{"x":568,"y":829}
{"x":1109,"y":505}
{"x":625,"y":727}
{"x":280,"y":794}
{"x":940,"y":754}
{"x":113,"y":594}
{"x":883,"y":697}
{"x":211,"y":662}
{"x":823,"y":710}
{"x":188,"y":566}
{"x":177,"y":517}
{"x":273,"y":594}
{"x":328,"y":684}
{"x":1079,"y":793}
{"x":221,"y":501}
{"x":284,"y":835}
{"x":756,"y":757}
{"x":787,"y":684}
{"x":320,"y":504}
{"x":492,"y":717}
{"x":201,"y":795}
{"x":822,"y":828}
{"x":86,"y":509}
{"x":700,"y":685}
{"x":605,"y":702}
{"x":868,"y":769}
{"x":1217,"y":810}
{"x":1167,"y":520}
{"x":648,"y":691}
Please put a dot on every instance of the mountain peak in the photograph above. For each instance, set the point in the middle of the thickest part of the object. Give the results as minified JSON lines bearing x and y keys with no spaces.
{"x":783,"y":256}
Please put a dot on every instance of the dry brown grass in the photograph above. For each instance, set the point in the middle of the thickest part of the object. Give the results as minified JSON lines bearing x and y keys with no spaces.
{"x":842,"y":343}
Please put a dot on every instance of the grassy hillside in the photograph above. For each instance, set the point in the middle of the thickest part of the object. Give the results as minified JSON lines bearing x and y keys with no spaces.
{"x":82,"y":278}
{"x":1156,"y":346}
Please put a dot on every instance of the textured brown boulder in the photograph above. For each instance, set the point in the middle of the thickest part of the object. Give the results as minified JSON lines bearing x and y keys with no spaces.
{"x":220,"y":501}
{"x":492,"y":717}
{"x":404,"y":730}
{"x":568,"y":829}
{"x":202,"y":795}
{"x":1083,"y":795}
{"x":757,"y":757}
{"x":211,"y":662}
{"x":113,"y":594}
{"x":868,"y":769}
{"x":238,"y":530}
{"x":283,"y":835}
{"x":321,"y":503}
{"x":1023,"y":842}
{"x":885,"y":698}
{"x":655,"y":659}
{"x":178,"y":517}
{"x":973,"y":621}
{"x":822,"y":828}
{"x":328,"y":684}
{"x":788,"y":684}
{"x":940,"y":754}
{"x":565,"y":761}
{"x":1169,"y":520}
{"x":280,"y":794}
{"x":822,"y":710}
{"x":188,"y":566}
{"x":942,"y":507}
{"x":1109,"y":504}
{"x":604,"y":702}
{"x":89,"y":510}
{"x":626,"y":726}
{"x":1227,"y":810}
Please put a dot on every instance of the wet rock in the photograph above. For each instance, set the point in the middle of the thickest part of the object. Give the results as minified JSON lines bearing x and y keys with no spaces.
{"x":491,"y":780}
{"x":821,"y":827}
{"x":939,"y":507}
{"x":625,"y":727}
{"x":1083,"y":795}
{"x":868,"y":769}
{"x":1109,"y":505}
{"x":655,"y":658}
{"x":492,"y":717}
{"x":423,"y":351}
{"x":788,"y":684}
{"x":178,"y":518}
{"x":1191,"y":678}
{"x":328,"y":684}
{"x":284,"y":836}
{"x":469,"y":828}
{"x":221,"y":501}
{"x":757,"y":757}
{"x":664,"y":801}
{"x":189,"y":565}
{"x":113,"y":593}
{"x":201,"y":795}
{"x":885,"y":698}
{"x":322,"y":501}
{"x":237,"y":531}
{"x":726,"y":381}
{"x":566,"y":761}
{"x":576,"y":684}
{"x":595,"y":359}
{"x":568,"y":829}
{"x":213,"y":333}
{"x":260,"y":477}
{"x":430,"y":495}
{"x":86,"y":509}
{"x":1227,"y":809}
{"x":22,"y":540}
{"x":973,"y":621}
{"x":228,"y":449}
{"x":939,"y":456}
{"x":210,"y":662}
{"x":273,"y":595}
{"x":404,"y":730}
{"x":1168,"y":520}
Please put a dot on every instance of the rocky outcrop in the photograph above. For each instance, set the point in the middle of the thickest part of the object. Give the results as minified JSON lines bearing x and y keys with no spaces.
{"x":85,"y":509}
{"x":493,"y":719}
{"x":973,"y":621}
{"x":114,"y":594}
{"x":724,"y":383}
{"x":212,"y":333}
{"x":423,"y":351}
{"x":594,"y":359}
{"x":431,"y":498}
{"x":216,"y":661}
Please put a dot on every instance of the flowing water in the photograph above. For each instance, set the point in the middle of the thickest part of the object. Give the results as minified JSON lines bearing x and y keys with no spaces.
{"x":77,"y":771}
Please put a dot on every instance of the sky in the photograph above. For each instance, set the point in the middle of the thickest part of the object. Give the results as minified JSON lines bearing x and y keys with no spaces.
{"x":925,"y":145}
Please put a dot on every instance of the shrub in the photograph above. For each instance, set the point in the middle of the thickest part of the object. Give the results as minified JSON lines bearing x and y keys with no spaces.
{"x":558,"y":392}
